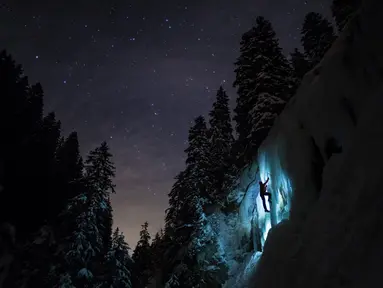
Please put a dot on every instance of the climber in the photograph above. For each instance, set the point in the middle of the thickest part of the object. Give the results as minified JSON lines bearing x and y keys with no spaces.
{"x":263,"y":192}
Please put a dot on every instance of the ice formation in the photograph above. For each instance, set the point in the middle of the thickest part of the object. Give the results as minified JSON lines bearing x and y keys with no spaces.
{"x":327,"y":146}
{"x":323,"y":158}
{"x":242,"y":233}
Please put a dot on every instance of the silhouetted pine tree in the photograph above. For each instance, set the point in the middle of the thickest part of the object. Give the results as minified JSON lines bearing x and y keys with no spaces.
{"x":142,"y":259}
{"x":197,"y":181}
{"x":199,"y":262}
{"x":176,"y":201}
{"x":317,"y":37}
{"x":118,"y":263}
{"x":85,"y":249}
{"x":21,"y":109}
{"x":99,"y":174}
{"x":69,"y":167}
{"x":342,"y":11}
{"x":50,"y":136}
{"x":64,"y":243}
{"x":70,"y":183}
{"x":84,"y":246}
{"x":245,"y":84}
{"x":209,"y":267}
{"x":100,"y":171}
{"x":34,"y":109}
{"x":159,"y":261}
{"x":29,"y":158}
{"x":264,"y":84}
{"x":157,"y":249}
{"x":17,"y":130}
{"x":299,"y":64}
{"x":198,"y":160}
{"x":154,"y":248}
{"x":221,"y":141}
{"x":36,"y":258}
{"x":173,"y":238}
{"x":191,"y":189}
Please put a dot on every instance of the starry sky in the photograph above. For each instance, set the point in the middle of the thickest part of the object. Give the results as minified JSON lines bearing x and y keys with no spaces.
{"x":136,"y":73}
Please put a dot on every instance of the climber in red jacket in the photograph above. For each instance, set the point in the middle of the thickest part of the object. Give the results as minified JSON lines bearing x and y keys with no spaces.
{"x":263,"y":192}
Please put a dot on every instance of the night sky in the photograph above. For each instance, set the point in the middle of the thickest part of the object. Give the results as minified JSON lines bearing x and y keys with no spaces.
{"x":136,"y":73}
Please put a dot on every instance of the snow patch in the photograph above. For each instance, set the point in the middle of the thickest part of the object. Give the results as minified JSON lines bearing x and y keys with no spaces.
{"x":85,"y":273}
{"x":330,"y":156}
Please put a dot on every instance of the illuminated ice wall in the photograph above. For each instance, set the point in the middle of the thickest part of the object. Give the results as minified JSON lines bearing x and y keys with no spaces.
{"x":279,"y":184}
{"x":243,"y":232}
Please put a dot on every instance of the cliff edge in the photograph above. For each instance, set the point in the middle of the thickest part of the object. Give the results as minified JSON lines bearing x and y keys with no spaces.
{"x":329,"y":144}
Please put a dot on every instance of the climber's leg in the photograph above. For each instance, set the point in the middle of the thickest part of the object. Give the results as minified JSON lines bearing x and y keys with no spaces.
{"x":269,"y":195}
{"x":264,"y":203}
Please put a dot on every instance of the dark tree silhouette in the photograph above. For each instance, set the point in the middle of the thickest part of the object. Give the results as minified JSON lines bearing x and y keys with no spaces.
{"x":221,"y":170}
{"x":142,"y":259}
{"x":62,"y":217}
{"x":342,"y":10}
{"x":317,"y":37}
{"x":264,"y":83}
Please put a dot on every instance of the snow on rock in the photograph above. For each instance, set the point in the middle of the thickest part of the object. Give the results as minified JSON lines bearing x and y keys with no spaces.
{"x":324,"y":157}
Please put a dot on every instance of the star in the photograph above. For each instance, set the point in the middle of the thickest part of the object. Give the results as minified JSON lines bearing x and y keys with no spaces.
{"x":135,"y":75}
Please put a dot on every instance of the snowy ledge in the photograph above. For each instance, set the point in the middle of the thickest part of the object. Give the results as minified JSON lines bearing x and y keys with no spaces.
{"x":327,"y":146}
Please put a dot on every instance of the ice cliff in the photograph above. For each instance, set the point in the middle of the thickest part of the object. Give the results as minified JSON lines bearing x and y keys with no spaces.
{"x":323,"y":156}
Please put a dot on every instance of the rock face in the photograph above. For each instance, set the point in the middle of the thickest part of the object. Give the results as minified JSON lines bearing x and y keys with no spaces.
{"x":328,"y":144}
{"x":7,"y":243}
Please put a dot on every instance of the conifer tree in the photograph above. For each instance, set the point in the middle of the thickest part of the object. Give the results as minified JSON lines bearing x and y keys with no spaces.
{"x":48,"y":144}
{"x":191,"y":189}
{"x":209,"y":263}
{"x":197,"y":159}
{"x":342,"y":10}
{"x":175,"y":200}
{"x":244,"y":82}
{"x":54,"y":248}
{"x":83,"y":246}
{"x":197,"y":183}
{"x":23,"y":108}
{"x":100,"y":170}
{"x":221,"y":141}
{"x":99,"y":174}
{"x":118,"y":262}
{"x":264,"y":85}
{"x":174,"y":236}
{"x":299,"y":64}
{"x":142,"y":259}
{"x":32,"y":141}
{"x":34,"y":109}
{"x":156,"y":249}
{"x":70,"y":180}
{"x":317,"y":37}
{"x":85,"y":249}
{"x":69,"y":167}
{"x":201,"y":263}
{"x":29,"y":142}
